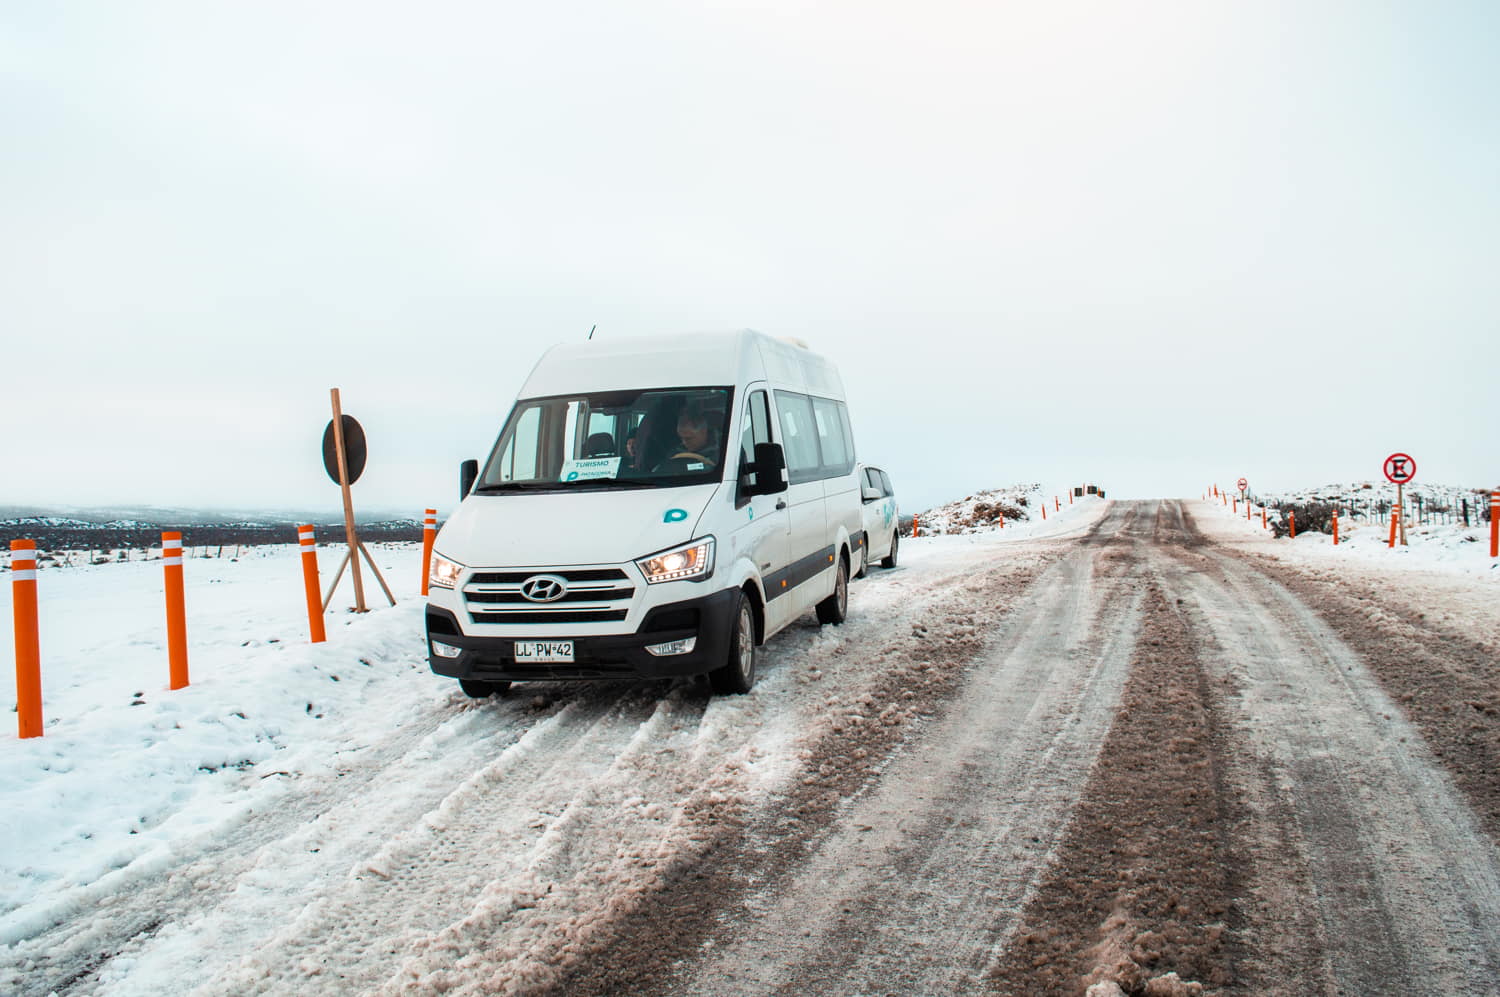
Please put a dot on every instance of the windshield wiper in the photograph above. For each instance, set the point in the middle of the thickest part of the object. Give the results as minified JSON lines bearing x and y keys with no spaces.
{"x":513,"y":486}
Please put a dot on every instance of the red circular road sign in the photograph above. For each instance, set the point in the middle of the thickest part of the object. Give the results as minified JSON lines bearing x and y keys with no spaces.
{"x":1243,"y":484}
{"x":1400,"y":468}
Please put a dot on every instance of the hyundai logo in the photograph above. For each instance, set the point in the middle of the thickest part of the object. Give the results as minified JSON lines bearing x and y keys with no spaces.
{"x":544,"y":588}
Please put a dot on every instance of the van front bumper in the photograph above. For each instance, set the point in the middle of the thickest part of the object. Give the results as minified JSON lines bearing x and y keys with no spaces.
{"x":492,"y":659}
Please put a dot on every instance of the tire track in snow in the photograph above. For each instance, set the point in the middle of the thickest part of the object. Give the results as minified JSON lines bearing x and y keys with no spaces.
{"x":939,"y":856}
{"x":129,"y":907}
{"x":479,"y":852}
{"x":1407,"y":884}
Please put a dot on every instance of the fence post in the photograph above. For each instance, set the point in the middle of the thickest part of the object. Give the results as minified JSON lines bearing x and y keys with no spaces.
{"x":171,"y":568}
{"x":429,"y":533}
{"x":28,"y":647}
{"x":310,"y":582}
{"x":1494,"y":524}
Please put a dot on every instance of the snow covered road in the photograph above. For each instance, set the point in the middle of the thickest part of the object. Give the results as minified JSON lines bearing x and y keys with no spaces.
{"x":1099,"y":750}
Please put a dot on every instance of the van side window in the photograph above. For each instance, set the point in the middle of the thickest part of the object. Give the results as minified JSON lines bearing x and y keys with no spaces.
{"x":799,"y":437}
{"x":848,"y":430}
{"x":838,"y":455}
{"x":757,"y":425}
{"x":887,"y":488}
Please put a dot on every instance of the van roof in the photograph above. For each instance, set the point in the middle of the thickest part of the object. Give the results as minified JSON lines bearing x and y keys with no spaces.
{"x":698,"y":358}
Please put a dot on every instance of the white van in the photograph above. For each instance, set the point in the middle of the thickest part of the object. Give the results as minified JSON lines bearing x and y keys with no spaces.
{"x":653,"y":507}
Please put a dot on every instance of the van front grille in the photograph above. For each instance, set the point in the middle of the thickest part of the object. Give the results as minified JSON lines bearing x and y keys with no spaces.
{"x":561,"y":616}
{"x":592,"y":595}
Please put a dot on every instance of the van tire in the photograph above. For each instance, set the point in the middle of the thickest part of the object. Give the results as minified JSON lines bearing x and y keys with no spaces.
{"x":737,"y":674}
{"x":475,"y":689}
{"x":835,"y":608}
{"x":889,"y":561}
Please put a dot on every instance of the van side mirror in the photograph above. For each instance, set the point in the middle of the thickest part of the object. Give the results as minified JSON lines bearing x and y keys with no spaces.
{"x":767,"y":473}
{"x":468,"y":471}
{"x":870,"y":493}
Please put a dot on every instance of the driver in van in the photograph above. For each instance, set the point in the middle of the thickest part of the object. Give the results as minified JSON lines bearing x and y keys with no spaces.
{"x":699,"y":438}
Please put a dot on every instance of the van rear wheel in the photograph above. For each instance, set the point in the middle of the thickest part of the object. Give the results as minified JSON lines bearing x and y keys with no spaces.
{"x":737,"y":674}
{"x":889,"y":561}
{"x":836,"y":607}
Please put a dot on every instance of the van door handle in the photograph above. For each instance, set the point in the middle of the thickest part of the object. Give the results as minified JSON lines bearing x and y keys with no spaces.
{"x":781,"y":503}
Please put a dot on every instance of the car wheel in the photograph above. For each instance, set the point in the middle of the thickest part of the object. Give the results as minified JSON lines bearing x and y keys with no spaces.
{"x":834,"y":608}
{"x":475,"y":689}
{"x":737,"y":674}
{"x":889,"y":561}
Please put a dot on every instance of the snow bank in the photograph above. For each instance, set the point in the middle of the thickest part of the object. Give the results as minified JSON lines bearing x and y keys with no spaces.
{"x":128,"y":772}
{"x":1446,"y":548}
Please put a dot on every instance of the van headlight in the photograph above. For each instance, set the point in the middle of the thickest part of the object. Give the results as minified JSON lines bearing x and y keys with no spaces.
{"x":443,"y":573}
{"x":692,"y":560}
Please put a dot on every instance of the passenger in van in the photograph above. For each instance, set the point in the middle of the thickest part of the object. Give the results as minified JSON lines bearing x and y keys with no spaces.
{"x":700,"y":440}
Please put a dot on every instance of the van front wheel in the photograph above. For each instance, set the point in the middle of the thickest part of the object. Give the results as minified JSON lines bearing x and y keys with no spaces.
{"x":737,"y":675}
{"x":834,"y":608}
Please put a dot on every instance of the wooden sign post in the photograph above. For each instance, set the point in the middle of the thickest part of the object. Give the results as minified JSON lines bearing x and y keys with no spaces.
{"x":338,"y":465}
{"x":1399,"y":469}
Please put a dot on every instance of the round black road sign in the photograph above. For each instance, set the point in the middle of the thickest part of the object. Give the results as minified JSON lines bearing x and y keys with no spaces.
{"x":354,"y":450}
{"x":1400,"y":468}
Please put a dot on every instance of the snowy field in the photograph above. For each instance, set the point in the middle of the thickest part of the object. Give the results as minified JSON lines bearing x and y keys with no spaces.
{"x":1433,"y":548}
{"x":132,"y":782}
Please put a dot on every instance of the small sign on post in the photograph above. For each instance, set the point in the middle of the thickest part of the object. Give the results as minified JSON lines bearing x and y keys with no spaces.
{"x":344,"y":455}
{"x":1399,"y":469}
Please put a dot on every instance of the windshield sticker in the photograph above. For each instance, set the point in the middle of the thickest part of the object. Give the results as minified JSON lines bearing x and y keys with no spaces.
{"x":589,"y":470}
{"x":674,"y":516}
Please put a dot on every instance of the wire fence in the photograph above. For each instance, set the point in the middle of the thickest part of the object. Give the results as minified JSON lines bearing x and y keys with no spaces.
{"x":1426,"y":505}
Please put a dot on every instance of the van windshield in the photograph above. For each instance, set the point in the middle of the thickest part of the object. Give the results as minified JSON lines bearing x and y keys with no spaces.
{"x":646,"y":438}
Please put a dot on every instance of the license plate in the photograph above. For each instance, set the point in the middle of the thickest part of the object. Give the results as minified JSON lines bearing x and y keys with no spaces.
{"x":544,"y":651}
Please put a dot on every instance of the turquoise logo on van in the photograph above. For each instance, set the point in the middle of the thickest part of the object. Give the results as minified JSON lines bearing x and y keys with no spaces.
{"x":674,"y":516}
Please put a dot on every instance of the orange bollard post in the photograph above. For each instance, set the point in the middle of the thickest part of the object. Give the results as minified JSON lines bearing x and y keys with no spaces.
{"x":1058,"y":503}
{"x":1236,"y":507}
{"x":1335,"y":527}
{"x":28,"y":646}
{"x":1264,"y":524}
{"x":171,"y":567}
{"x":1494,"y":524}
{"x":310,"y":582}
{"x":1292,"y":519}
{"x":429,"y":533}
{"x":913,"y":525}
{"x":1395,"y":517}
{"x":1044,"y":512}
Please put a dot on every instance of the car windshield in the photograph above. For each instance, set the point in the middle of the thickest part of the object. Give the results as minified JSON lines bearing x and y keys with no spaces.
{"x":646,"y":438}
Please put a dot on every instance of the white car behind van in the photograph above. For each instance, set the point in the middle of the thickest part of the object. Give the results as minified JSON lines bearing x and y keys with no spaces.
{"x":653,"y":507}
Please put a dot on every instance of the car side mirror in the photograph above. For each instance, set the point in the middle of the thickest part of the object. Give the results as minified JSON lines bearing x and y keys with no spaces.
{"x":767,"y":473}
{"x":871,"y":494}
{"x":468,"y":471}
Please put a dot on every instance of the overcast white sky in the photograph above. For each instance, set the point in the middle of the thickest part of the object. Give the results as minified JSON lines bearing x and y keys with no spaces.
{"x":1147,"y":244}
